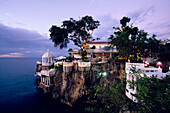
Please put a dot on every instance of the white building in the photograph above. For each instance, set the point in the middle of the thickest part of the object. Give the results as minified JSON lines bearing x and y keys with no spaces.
{"x":130,"y":92}
{"x":47,"y":72}
{"x":96,"y":50}
{"x":47,"y":58}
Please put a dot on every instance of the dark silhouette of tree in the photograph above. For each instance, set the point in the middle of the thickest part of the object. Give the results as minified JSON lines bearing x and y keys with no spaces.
{"x":131,"y":42}
{"x":78,"y":31}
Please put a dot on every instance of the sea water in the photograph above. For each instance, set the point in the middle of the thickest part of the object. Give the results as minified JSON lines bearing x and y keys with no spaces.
{"x":19,"y":91}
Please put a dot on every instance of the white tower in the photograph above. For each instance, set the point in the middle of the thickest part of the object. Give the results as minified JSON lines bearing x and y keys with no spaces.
{"x":47,"y":58}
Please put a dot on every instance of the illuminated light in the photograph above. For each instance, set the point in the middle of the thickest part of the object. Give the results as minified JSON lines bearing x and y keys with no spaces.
{"x":104,"y":73}
{"x":159,"y":64}
{"x":147,"y":63}
{"x":101,"y":74}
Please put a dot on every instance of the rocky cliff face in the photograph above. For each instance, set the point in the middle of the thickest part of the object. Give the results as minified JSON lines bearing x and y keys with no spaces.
{"x":71,"y":86}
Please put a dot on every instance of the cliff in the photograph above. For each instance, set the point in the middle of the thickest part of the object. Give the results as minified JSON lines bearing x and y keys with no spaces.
{"x":70,"y":86}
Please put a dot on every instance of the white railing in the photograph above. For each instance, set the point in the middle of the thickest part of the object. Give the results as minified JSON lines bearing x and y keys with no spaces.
{"x":141,"y":67}
{"x":48,"y":73}
{"x":47,"y":64}
{"x":149,"y":71}
{"x":45,"y":72}
{"x":65,"y":64}
{"x":84,"y":64}
{"x":152,"y":69}
{"x":130,"y":65}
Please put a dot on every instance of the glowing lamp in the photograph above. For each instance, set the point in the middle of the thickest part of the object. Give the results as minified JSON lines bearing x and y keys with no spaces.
{"x":104,"y":73}
{"x":146,"y":63}
{"x":159,"y":64}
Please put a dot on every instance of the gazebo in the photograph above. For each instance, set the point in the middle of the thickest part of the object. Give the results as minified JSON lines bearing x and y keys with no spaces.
{"x":47,"y":58}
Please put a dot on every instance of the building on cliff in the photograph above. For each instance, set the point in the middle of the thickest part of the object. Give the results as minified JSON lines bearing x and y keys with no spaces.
{"x":96,"y":50}
{"x":149,"y":71}
{"x":45,"y":69}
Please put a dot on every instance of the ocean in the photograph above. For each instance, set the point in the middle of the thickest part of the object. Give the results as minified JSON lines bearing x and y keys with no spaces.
{"x":19,"y":91}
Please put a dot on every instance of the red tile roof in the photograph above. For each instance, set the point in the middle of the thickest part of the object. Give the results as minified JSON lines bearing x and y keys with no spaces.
{"x":97,"y":43}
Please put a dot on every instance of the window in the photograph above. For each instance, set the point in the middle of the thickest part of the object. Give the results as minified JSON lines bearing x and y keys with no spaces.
{"x":46,"y":60}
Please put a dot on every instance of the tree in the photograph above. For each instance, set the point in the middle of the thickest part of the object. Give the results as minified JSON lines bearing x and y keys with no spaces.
{"x":130,"y":41}
{"x":78,"y":31}
{"x":70,"y":51}
{"x":153,"y":95}
{"x":110,"y":100}
{"x":153,"y":45}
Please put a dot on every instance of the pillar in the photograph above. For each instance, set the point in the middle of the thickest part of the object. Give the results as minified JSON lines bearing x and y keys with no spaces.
{"x":110,"y":55}
{"x":49,"y":81}
{"x":103,"y":56}
{"x":41,"y":79}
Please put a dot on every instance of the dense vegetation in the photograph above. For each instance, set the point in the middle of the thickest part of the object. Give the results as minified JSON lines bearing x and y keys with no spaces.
{"x":153,"y":95}
{"x":131,"y":42}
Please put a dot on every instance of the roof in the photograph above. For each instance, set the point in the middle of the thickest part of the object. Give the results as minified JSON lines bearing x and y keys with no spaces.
{"x":61,"y":57}
{"x":47,"y":54}
{"x":101,"y":50}
{"x":97,"y":43}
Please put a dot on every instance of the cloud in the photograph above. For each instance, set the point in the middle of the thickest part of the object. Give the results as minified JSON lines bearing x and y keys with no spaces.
{"x":9,"y":56}
{"x":19,"y":23}
{"x":163,"y":35}
{"x":12,"y":55}
{"x":16,"y":54}
{"x":15,"y":42}
{"x":106,"y":27}
{"x":141,"y":15}
{"x":7,"y":14}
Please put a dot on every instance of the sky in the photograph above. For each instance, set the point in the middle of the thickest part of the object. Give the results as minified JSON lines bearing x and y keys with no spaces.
{"x":25,"y":24}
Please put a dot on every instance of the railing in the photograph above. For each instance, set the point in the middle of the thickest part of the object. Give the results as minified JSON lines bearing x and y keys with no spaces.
{"x":129,"y":65}
{"x":45,"y":72}
{"x":48,"y":73}
{"x":84,"y":64}
{"x":65,"y":64}
{"x":149,"y":71}
{"x":152,"y":69}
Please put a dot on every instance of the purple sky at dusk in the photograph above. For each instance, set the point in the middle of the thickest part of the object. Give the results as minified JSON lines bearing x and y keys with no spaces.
{"x":24,"y":24}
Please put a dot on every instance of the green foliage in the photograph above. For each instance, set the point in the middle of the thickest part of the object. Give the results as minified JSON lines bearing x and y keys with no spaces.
{"x":132,"y":42}
{"x":110,"y":99}
{"x":59,"y":68}
{"x":69,"y":58}
{"x":83,"y":54}
{"x":153,"y":45}
{"x":153,"y":94}
{"x":59,"y":36}
{"x":78,"y":31}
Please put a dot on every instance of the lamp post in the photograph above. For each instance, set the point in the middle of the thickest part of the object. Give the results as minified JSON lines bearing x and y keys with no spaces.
{"x":159,"y":64}
{"x":146,"y":63}
{"x":102,"y":74}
